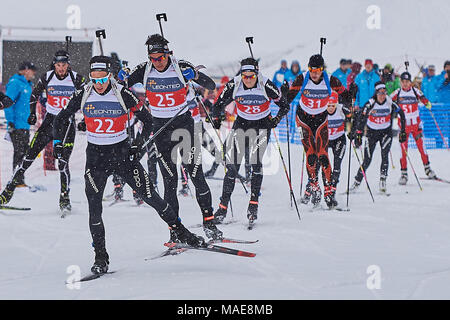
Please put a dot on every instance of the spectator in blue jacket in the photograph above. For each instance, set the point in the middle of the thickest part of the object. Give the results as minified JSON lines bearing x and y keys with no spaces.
{"x":278,"y":77}
{"x":366,"y":84}
{"x":429,"y":83}
{"x":343,"y":71}
{"x":293,"y":72}
{"x":18,"y":89}
{"x":443,"y":84}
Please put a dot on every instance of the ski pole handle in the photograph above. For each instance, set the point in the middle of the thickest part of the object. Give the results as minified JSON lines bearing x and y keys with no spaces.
{"x":322,"y":42}
{"x":159,"y":17}
{"x":100,"y":34}
{"x":249,"y":40}
{"x":68,"y":41}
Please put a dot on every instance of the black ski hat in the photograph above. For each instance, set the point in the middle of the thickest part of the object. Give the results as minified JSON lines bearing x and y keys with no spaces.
{"x":61,"y":56}
{"x":405,"y":76}
{"x":25,"y":65}
{"x":156,"y":43}
{"x":316,"y":61}
{"x":249,"y":64}
{"x":100,"y":63}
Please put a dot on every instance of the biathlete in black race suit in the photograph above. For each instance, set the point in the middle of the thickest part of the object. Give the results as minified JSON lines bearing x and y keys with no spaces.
{"x":252,"y":93}
{"x":166,"y":82}
{"x":378,"y":114}
{"x":315,"y":87}
{"x":59,"y":83}
{"x":108,"y":107}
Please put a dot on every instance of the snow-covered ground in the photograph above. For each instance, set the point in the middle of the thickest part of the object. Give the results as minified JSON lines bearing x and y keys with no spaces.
{"x":329,"y":255}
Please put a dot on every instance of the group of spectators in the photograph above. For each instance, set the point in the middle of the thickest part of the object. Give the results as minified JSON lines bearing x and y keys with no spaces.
{"x":16,"y":102}
{"x":436,"y":87}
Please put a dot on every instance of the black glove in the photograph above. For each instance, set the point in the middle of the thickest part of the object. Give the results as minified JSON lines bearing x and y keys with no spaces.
{"x":274,"y":122}
{"x":81,"y":125}
{"x":32,"y":118}
{"x":133,"y":152}
{"x":351,"y":135}
{"x":358,"y":139}
{"x":402,"y":136}
{"x":217,"y":121}
{"x":136,"y":148}
{"x":284,"y":88}
{"x":57,"y":149}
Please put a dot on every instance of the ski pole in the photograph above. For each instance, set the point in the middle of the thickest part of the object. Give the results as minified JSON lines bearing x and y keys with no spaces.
{"x":322,"y":42}
{"x":412,"y":167}
{"x":439,"y":129}
{"x":289,"y":150}
{"x":301,"y":179}
{"x":348,"y":173}
{"x":221,"y":143}
{"x":362,"y":170}
{"x":392,"y":159}
{"x":68,"y":41}
{"x":100,"y":34}
{"x":250,"y":40}
{"x":350,"y":151}
{"x":163,"y":127}
{"x":159,"y":17}
{"x":199,"y":101}
{"x":287,"y":176}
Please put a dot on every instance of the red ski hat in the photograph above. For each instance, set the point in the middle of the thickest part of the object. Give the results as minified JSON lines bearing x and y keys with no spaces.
{"x":368,"y":61}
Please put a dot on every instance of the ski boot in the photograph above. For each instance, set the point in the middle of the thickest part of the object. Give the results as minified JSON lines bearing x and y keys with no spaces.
{"x":355,"y":186}
{"x":137,"y":198}
{"x":118,"y":192}
{"x":8,"y":193}
{"x":403,"y":178}
{"x":252,"y":211}
{"x":182,"y":235}
{"x":307,"y":195}
{"x":383,"y":184}
{"x":173,"y":237}
{"x":6,"y":196}
{"x":212,"y":171}
{"x":430,"y":173}
{"x":184,"y":190}
{"x":329,"y":197}
{"x":64,"y":201}
{"x":209,"y":226}
{"x":220,"y":214}
{"x":101,"y":262}
{"x":316,"y":194}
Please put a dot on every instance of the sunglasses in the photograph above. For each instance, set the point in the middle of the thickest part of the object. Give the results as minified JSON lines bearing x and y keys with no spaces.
{"x":100,"y":80}
{"x":380,"y":92}
{"x":315,"y":69}
{"x":253,"y":76}
{"x":159,"y":59}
